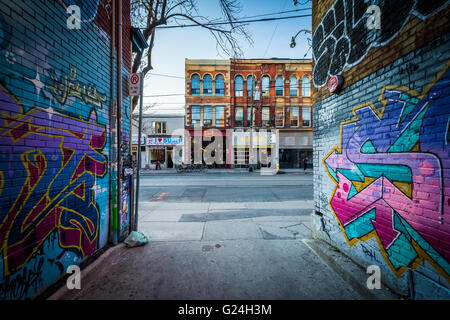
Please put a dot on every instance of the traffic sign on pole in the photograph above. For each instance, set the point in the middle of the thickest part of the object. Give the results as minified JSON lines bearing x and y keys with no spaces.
{"x":135,"y":84}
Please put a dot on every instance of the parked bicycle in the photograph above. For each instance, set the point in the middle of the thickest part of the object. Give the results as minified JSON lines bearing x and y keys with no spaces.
{"x":187,"y":168}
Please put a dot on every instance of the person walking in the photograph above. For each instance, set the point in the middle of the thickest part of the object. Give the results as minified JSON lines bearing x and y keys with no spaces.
{"x":158,"y":165}
{"x":305,"y":163}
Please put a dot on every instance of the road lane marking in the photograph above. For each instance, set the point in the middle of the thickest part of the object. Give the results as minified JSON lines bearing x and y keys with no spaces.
{"x":161,"y":195}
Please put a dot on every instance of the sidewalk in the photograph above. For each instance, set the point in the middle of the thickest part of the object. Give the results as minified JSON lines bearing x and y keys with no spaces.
{"x":223,"y":171}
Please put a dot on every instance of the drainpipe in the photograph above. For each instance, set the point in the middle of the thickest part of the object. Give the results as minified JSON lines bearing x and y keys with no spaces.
{"x":112,"y":124}
{"x":119,"y":113}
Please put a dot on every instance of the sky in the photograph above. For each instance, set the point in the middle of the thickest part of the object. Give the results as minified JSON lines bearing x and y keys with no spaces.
{"x":173,"y":46}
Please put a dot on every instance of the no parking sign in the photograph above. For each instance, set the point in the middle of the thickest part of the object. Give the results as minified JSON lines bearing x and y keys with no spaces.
{"x":135,"y":84}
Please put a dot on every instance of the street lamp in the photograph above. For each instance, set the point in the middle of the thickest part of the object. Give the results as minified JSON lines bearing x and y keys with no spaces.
{"x":293,"y":44}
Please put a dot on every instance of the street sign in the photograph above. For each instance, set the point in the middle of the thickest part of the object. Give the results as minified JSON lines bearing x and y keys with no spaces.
{"x":135,"y":84}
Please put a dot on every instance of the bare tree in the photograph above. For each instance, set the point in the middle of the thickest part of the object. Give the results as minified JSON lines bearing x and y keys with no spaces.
{"x":149,"y":14}
{"x":146,"y":126}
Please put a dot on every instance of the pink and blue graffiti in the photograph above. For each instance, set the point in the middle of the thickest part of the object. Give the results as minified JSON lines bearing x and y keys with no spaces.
{"x":392,"y":174}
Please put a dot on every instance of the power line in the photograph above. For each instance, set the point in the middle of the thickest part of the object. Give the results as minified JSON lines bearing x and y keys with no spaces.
{"x":274,"y":30}
{"x":165,"y":95}
{"x":166,"y":75}
{"x":221,"y":23}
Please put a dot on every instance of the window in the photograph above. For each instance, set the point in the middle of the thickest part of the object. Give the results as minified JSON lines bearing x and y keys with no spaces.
{"x":239,"y":117}
{"x":294,"y":116}
{"x":207,"y":85}
{"x":293,"y":88}
{"x":265,"y":85}
{"x":220,"y":87}
{"x":220,"y":116}
{"x":158,"y":127}
{"x":239,"y":86}
{"x":249,"y":86}
{"x":279,"y":86}
{"x":265,"y":116}
{"x":195,"y":114}
{"x":306,"y":116}
{"x":306,"y":87}
{"x":195,"y":85}
{"x":207,"y":116}
{"x":279,"y":116}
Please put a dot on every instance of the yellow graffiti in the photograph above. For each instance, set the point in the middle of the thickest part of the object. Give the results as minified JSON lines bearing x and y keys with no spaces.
{"x":68,"y":86}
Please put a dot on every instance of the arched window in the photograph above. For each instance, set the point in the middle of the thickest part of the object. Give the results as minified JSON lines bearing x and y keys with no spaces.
{"x":220,"y":88}
{"x":279,"y":86}
{"x":239,"y":86}
{"x":207,"y":85}
{"x":293,"y":86}
{"x":249,"y":86}
{"x":306,"y":87}
{"x":195,"y":85}
{"x":265,"y":85}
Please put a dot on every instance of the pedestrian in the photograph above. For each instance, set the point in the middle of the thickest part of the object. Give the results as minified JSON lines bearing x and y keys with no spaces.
{"x":158,"y":165}
{"x":305,"y":163}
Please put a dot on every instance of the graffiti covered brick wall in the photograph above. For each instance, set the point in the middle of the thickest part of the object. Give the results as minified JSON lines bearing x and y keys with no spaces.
{"x":55,"y":144}
{"x":382,"y":144}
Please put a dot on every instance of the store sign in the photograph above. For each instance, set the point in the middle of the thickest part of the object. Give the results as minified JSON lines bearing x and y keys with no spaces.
{"x":260,"y":139}
{"x":165,"y":141}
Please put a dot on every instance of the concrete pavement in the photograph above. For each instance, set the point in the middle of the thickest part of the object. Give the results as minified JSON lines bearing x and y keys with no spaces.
{"x":223,"y":237}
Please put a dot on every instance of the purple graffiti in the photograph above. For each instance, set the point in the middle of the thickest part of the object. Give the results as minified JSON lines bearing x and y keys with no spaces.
{"x":393,"y":175}
{"x":49,"y":162}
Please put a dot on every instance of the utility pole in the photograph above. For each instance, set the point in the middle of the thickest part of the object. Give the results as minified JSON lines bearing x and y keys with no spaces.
{"x":250,"y":150}
{"x":141,"y":101}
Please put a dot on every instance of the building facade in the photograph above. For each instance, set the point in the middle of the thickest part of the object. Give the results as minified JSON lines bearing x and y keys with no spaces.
{"x":381,"y":141}
{"x":162,"y":140}
{"x":223,"y":97}
{"x":65,"y":138}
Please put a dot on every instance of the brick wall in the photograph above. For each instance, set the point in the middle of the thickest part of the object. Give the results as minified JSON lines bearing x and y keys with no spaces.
{"x":55,"y":144}
{"x":381,"y":144}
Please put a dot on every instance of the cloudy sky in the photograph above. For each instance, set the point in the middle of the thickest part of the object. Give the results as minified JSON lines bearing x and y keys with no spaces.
{"x":270,"y":39}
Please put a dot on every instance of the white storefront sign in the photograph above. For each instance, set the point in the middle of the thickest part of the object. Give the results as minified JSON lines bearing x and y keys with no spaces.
{"x":166,"y":141}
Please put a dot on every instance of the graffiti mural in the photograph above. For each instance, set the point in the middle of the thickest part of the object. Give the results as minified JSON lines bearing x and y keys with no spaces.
{"x":392,"y":175}
{"x":49,"y":165}
{"x":342,"y":39}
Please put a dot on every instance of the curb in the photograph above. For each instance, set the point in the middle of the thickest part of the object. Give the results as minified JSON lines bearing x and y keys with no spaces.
{"x":62,"y":291}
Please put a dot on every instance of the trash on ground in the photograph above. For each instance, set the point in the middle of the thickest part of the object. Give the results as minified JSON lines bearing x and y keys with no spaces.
{"x":136,"y":239}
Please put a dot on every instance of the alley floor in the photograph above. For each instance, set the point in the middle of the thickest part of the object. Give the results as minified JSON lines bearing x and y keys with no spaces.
{"x":225,"y":236}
